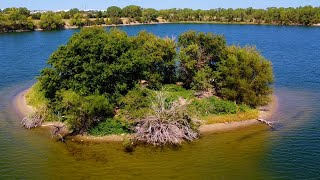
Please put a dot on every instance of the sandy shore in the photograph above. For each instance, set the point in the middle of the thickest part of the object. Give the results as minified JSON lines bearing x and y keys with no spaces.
{"x":265,"y":113}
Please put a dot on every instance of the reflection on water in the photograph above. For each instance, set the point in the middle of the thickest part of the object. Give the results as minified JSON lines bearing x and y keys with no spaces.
{"x":252,"y":153}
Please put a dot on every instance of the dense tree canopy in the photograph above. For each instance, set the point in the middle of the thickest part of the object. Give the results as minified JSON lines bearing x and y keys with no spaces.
{"x":51,"y":21}
{"x":12,"y":19}
{"x":198,"y":53}
{"x":149,"y":15}
{"x":132,"y":11}
{"x":244,"y":76}
{"x":114,"y":11}
{"x":93,"y":73}
{"x":96,"y":62}
{"x":238,"y":74}
{"x":77,"y":20}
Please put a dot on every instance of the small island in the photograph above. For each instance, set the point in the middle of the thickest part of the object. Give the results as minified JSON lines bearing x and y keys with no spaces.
{"x":155,"y":90}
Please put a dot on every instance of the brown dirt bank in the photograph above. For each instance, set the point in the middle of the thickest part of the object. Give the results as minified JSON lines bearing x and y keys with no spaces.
{"x":265,"y":112}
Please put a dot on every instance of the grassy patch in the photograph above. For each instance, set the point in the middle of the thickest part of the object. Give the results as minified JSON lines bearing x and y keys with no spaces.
{"x":35,"y":97}
{"x":241,"y":116}
{"x":174,"y":92}
{"x":108,"y":127}
{"x":212,"y":105}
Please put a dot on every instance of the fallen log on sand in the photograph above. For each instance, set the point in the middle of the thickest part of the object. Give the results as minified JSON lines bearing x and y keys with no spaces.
{"x":268,"y":123}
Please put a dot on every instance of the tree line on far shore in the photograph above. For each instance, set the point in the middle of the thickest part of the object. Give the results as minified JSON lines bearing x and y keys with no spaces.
{"x":14,"y":19}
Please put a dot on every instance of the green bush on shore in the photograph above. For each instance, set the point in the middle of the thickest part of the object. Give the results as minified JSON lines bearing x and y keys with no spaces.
{"x":108,"y":127}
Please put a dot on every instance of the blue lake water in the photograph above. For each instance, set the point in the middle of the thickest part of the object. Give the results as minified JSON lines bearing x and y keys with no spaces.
{"x":291,"y":151}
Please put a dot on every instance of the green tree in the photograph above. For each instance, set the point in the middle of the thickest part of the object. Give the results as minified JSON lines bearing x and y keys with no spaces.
{"x":73,"y":11}
{"x":114,"y":11}
{"x":77,"y":20}
{"x":149,"y":15}
{"x":36,"y":15}
{"x":51,"y":21}
{"x":198,"y":51}
{"x":132,"y":11}
{"x":244,"y":76}
{"x":15,"y":19}
{"x":109,"y":62}
{"x":81,"y":112}
{"x":96,"y":62}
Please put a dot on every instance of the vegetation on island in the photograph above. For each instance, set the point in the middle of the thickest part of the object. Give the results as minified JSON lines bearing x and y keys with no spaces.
{"x":106,"y":82}
{"x":15,"y":19}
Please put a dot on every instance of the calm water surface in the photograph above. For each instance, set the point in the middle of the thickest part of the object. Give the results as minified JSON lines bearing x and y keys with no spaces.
{"x":291,"y":151}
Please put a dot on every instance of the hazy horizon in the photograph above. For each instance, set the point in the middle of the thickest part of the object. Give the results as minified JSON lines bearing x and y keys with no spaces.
{"x":164,"y":4}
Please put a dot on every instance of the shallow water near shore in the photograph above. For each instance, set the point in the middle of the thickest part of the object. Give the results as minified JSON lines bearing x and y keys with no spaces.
{"x":290,"y":151}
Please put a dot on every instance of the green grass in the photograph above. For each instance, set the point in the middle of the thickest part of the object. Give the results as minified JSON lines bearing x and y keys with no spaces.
{"x":35,"y":97}
{"x":108,"y":127}
{"x":241,"y":116}
{"x":174,"y":92}
{"x":212,"y":105}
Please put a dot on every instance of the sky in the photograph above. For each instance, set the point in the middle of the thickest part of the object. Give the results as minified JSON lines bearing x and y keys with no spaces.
{"x":158,"y":4}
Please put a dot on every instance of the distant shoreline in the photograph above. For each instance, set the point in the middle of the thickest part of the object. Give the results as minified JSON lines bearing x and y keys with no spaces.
{"x":165,"y":22}
{"x":23,"y":109}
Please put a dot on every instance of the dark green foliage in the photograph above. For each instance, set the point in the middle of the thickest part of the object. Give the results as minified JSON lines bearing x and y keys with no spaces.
{"x":199,"y":52}
{"x":13,"y":19}
{"x":307,"y":15}
{"x":136,"y":104}
{"x":73,"y":11}
{"x":212,"y":105}
{"x":77,"y":20}
{"x":36,"y":16}
{"x":149,"y":15}
{"x":114,"y":12}
{"x":81,"y":112}
{"x":108,"y":127}
{"x":109,"y":64}
{"x":51,"y":21}
{"x":102,"y":74}
{"x":244,"y":76}
{"x":132,"y":11}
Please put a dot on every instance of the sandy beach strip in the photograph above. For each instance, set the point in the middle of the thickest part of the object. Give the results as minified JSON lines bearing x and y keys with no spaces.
{"x":265,"y":112}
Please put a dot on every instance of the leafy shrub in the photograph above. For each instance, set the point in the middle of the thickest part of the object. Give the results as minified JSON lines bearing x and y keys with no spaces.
{"x":77,"y":20}
{"x":110,"y":126}
{"x":35,"y":97}
{"x":114,"y":20}
{"x":174,"y":92}
{"x":136,"y":103}
{"x":51,"y":21}
{"x":212,"y":105}
{"x":81,"y":112}
{"x":244,"y":76}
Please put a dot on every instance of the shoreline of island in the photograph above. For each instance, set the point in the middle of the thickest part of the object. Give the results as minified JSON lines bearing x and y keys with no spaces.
{"x":23,"y":109}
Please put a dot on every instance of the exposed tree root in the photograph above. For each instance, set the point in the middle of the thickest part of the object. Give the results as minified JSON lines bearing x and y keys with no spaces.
{"x":168,"y":125}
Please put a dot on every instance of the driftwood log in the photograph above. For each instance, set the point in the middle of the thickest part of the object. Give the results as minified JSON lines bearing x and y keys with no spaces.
{"x":167,"y":125}
{"x":268,"y":123}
